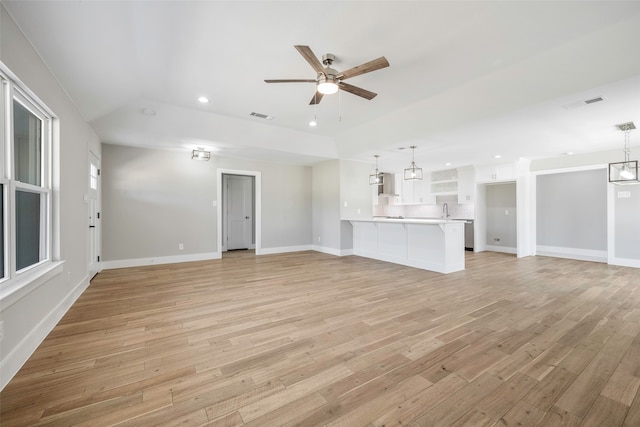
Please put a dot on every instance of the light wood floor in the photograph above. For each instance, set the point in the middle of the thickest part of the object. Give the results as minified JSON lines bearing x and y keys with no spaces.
{"x":310,"y":339}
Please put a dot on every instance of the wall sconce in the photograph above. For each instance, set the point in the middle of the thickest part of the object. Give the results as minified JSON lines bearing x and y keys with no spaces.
{"x":201,"y":154}
{"x":622,"y":173}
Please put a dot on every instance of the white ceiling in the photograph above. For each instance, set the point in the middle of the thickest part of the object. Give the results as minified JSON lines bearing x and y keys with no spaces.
{"x":467,"y":80}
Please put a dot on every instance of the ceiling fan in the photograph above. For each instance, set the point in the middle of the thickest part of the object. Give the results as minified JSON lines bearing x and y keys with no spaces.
{"x":329,"y":80}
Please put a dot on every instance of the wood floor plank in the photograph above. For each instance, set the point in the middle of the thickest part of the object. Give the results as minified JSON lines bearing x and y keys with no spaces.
{"x":311,"y":339}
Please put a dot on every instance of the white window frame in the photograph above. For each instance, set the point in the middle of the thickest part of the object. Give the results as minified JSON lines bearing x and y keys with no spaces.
{"x":15,"y":282}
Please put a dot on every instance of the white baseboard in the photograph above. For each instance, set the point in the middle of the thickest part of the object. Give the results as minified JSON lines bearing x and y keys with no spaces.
{"x":332,"y":251}
{"x":503,"y":249}
{"x":572,"y":253}
{"x":284,"y":249}
{"x":12,"y":363}
{"x":625,"y":262}
{"x":140,"y":262}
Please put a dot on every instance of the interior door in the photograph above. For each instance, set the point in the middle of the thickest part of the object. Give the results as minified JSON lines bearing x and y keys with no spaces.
{"x":239,"y":211}
{"x":94,"y":215}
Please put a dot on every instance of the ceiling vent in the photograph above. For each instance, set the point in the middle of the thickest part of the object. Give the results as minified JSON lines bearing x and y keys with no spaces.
{"x":582,"y":103}
{"x":261,"y":116}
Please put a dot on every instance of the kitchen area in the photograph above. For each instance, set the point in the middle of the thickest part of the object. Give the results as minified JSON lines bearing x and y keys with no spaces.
{"x":429,"y":223}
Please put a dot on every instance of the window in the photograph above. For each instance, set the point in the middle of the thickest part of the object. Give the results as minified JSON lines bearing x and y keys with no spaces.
{"x":25,"y":180}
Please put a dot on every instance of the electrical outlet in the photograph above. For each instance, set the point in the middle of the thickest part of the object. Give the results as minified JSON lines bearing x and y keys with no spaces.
{"x":180,"y":246}
{"x":1,"y":330}
{"x":319,"y":239}
{"x":358,"y":211}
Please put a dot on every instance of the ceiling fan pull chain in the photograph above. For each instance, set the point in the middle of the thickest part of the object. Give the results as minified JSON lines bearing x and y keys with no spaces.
{"x":339,"y":107}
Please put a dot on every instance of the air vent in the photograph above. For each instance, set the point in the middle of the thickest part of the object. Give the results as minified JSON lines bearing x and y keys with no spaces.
{"x":626,"y":126}
{"x":576,"y":104}
{"x":591,"y":101}
{"x":261,"y":116}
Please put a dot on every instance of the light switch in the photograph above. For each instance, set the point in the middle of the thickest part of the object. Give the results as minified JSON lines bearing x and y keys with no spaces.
{"x":624,"y":194}
{"x":345,"y":203}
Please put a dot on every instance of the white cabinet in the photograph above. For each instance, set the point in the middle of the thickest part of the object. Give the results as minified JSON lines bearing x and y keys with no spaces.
{"x":502,"y":172}
{"x":466,"y":185}
{"x":413,"y":191}
{"x":444,"y":182}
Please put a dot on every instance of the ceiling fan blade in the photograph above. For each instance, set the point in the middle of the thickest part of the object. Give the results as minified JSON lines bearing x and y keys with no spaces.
{"x":311,"y":58}
{"x":317,"y":97}
{"x":367,"y":67}
{"x":290,"y":81}
{"x":357,"y":90}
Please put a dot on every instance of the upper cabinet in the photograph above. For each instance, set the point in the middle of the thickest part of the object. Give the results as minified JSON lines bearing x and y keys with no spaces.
{"x":502,"y":172}
{"x":466,"y":185}
{"x":444,"y":182}
{"x":414,"y":191}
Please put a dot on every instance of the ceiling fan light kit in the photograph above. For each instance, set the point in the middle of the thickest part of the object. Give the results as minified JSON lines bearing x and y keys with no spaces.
{"x":328,"y":81}
{"x":624,"y":173}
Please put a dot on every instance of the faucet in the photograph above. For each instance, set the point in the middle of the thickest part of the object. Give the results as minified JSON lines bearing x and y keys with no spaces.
{"x":445,"y":211}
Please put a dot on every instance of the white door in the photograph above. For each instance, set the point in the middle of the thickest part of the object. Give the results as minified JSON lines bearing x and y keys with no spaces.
{"x":238,"y":206}
{"x":94,"y":215}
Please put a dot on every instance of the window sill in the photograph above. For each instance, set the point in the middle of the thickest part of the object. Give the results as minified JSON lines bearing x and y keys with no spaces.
{"x":17,"y":288}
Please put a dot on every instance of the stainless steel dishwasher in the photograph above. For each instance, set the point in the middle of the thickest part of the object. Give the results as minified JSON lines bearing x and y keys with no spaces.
{"x":468,"y":235}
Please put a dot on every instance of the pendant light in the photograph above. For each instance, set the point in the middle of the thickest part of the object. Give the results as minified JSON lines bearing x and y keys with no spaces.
{"x":413,"y":171}
{"x":374,"y":178}
{"x":626,"y":172}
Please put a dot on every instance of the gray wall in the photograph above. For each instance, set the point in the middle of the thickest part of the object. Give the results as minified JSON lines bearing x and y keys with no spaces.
{"x":571,"y":210}
{"x":29,"y":319}
{"x":326,"y":205}
{"x":501,"y":215}
{"x":627,"y":222}
{"x":155,"y":199}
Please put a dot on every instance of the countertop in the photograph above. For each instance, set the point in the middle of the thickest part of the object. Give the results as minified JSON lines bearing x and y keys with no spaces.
{"x":411,"y":220}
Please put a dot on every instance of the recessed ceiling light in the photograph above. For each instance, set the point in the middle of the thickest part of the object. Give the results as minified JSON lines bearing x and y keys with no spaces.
{"x":448,"y":164}
{"x":568,"y":153}
{"x":148,"y":112}
{"x":313,"y":123}
{"x":497,"y":156}
{"x":203,"y":99}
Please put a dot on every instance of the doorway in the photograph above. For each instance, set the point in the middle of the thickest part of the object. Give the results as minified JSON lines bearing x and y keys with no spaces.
{"x":496,"y":225}
{"x":237,"y":212}
{"x":239,"y":190}
{"x":93,"y":202}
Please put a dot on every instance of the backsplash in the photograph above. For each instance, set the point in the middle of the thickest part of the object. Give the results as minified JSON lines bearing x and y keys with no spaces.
{"x":456,"y":211}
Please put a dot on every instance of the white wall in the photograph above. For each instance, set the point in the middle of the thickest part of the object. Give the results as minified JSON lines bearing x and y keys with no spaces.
{"x":626,"y":233}
{"x":155,"y":199}
{"x":28,"y":320}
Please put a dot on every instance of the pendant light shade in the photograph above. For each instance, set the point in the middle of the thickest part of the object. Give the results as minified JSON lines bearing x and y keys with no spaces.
{"x":626,"y":172}
{"x":374,"y":178}
{"x":413,"y":171}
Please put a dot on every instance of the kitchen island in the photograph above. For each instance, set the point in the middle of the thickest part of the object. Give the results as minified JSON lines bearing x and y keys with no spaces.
{"x":429,"y":244}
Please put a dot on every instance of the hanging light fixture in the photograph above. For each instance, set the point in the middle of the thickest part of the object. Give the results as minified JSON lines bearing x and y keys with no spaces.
{"x":624,"y":172}
{"x":374,"y":178}
{"x":413,"y":171}
{"x":200,"y":154}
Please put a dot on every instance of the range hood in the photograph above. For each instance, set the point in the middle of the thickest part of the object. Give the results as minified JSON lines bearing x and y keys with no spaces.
{"x":386,"y":184}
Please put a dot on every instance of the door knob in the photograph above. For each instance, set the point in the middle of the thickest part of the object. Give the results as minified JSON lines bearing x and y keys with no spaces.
{"x":246,"y":217}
